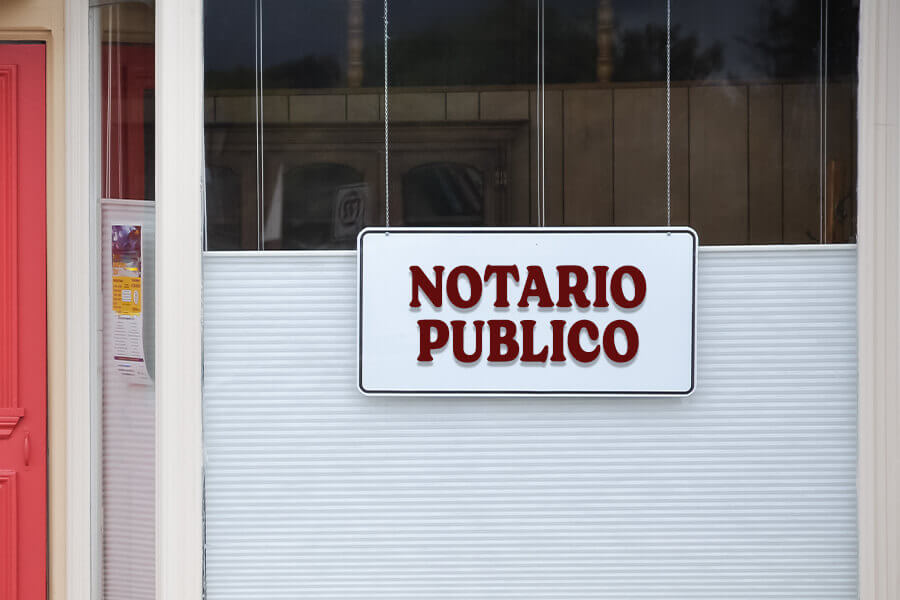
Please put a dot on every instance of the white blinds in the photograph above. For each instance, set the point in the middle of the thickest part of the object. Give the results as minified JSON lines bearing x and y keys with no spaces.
{"x":744,"y":490}
{"x":127,"y":504}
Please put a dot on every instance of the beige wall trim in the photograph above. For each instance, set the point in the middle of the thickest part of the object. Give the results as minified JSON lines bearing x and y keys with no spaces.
{"x":79,"y":322}
{"x":179,"y":181}
{"x":879,"y":301}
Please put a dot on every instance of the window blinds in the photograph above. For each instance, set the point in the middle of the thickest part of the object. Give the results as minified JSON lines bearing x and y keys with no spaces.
{"x":128,"y":471}
{"x":744,"y":490}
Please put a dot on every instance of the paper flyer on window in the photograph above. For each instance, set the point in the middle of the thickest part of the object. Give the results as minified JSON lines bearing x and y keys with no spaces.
{"x":127,"y":299}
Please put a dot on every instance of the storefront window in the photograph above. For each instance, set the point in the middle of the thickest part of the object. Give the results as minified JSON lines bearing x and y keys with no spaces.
{"x":762,"y":118}
{"x":515,"y":113}
{"x":122,"y":98}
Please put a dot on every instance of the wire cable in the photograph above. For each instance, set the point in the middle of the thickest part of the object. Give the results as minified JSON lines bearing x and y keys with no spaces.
{"x":668,"y":113}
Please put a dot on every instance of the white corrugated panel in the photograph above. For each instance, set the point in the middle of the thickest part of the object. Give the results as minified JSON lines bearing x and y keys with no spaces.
{"x":129,"y":435}
{"x":744,"y":490}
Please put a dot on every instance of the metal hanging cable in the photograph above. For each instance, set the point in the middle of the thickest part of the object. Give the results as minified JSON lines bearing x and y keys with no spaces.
{"x":107,"y":191}
{"x":387,"y":171}
{"x":539,"y":100}
{"x":824,"y":85}
{"x":543,"y":119}
{"x":257,"y":79}
{"x":262,"y":139}
{"x":668,"y":113}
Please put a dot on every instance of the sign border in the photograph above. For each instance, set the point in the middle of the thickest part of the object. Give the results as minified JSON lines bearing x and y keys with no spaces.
{"x":515,"y":393}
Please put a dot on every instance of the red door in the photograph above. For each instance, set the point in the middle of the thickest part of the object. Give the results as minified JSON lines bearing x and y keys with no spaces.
{"x":23,"y":343}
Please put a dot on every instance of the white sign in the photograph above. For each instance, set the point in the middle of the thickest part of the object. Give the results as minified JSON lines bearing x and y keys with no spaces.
{"x":549,"y":311}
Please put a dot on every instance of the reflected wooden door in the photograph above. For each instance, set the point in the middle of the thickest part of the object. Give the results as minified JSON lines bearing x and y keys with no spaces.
{"x":127,"y":120}
{"x":23,"y":346}
{"x":454,"y":187}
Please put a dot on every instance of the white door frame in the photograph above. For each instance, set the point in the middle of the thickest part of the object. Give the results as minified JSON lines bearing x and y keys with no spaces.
{"x":179,"y":185}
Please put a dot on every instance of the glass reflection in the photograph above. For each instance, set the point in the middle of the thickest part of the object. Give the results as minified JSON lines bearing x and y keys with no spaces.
{"x":763,"y":116}
{"x":443,"y":194}
{"x":333,"y":208}
{"x":295,"y":109}
{"x":122,"y":181}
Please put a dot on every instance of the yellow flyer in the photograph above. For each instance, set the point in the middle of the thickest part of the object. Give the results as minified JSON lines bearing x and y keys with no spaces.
{"x":127,"y":299}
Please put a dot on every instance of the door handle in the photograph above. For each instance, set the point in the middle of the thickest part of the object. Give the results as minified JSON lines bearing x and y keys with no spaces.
{"x":27,"y":448}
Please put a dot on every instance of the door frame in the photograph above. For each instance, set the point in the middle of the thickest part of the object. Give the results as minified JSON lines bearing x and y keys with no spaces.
{"x":46,"y":27}
{"x":179,"y":118}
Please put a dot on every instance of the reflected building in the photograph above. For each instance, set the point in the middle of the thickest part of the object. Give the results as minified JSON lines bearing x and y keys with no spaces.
{"x":762,"y":118}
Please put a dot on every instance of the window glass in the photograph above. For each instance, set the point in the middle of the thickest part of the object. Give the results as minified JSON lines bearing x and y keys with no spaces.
{"x":126,"y":94}
{"x":122,"y":177}
{"x":518,"y":112}
{"x":443,"y":194}
{"x":295,"y":137}
{"x":334,"y":207}
{"x":762,"y":117}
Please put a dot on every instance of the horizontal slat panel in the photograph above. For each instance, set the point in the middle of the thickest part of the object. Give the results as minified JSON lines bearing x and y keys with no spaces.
{"x":129,"y":432}
{"x":746,"y":489}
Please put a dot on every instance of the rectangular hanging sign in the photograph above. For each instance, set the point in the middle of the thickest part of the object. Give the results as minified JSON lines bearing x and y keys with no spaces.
{"x":548,"y":311}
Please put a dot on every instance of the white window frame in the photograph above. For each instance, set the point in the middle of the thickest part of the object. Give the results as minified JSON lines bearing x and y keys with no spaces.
{"x":179,"y":234}
{"x":179,"y":185}
{"x":878,"y":301}
{"x":179,"y":86}
{"x":80,"y":327}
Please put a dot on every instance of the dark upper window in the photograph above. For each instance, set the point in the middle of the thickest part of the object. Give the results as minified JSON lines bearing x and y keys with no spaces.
{"x":763,"y":122}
